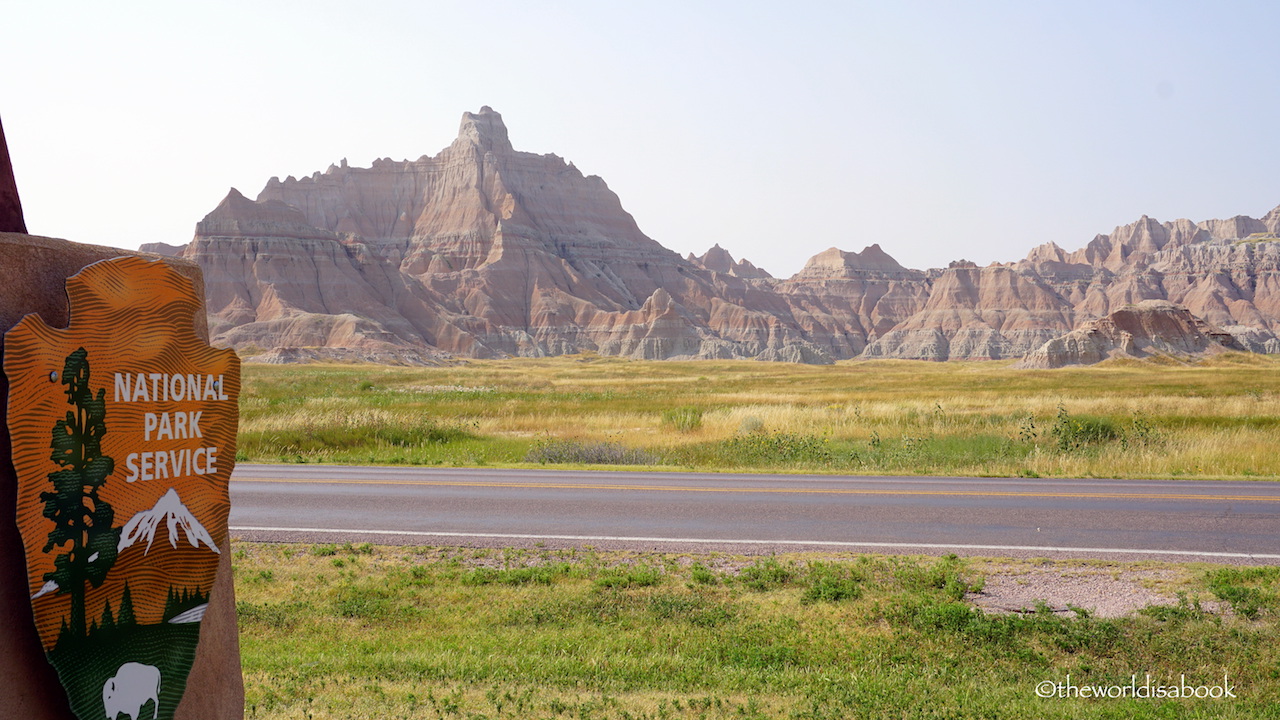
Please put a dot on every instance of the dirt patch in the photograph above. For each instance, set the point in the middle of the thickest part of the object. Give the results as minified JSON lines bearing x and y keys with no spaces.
{"x":1105,"y":592}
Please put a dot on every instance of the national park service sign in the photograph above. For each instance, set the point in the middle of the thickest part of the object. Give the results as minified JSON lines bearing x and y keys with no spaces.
{"x":124,"y":437}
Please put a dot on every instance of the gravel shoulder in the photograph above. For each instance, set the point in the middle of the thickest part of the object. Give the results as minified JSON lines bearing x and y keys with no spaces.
{"x":1106,"y":590}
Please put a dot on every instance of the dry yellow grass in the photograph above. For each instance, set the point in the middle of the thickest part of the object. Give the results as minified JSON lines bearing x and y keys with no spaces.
{"x":1215,"y":419}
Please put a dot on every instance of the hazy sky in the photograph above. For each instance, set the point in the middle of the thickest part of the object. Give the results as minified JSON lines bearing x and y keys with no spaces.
{"x":940,"y":130}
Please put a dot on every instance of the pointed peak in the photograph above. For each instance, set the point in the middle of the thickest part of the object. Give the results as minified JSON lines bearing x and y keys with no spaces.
{"x":1272,"y":220}
{"x":236,"y":208}
{"x":11,"y":219}
{"x":834,"y":262}
{"x":748,"y":270}
{"x":232,"y":205}
{"x":873,"y":256}
{"x":485,"y":130}
{"x":1046,"y":252}
{"x":717,"y":259}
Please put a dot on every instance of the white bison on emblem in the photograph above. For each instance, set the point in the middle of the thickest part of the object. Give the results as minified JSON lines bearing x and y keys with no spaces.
{"x":129,"y":691}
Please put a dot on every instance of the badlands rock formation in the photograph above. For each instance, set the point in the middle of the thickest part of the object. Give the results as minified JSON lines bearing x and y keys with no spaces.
{"x":160,"y":248}
{"x":717,"y":259}
{"x":483,"y":250}
{"x":1152,"y":327}
{"x":479,"y":251}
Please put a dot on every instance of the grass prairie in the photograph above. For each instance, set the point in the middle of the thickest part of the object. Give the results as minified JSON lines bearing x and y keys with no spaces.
{"x":1215,"y":419}
{"x":444,"y":633}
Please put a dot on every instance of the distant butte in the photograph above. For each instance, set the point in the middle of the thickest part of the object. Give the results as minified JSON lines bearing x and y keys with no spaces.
{"x":1152,"y":327}
{"x":486,"y":251}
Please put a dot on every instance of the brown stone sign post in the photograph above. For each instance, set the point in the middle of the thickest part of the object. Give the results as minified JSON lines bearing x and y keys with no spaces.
{"x":10,"y":207}
{"x":35,"y":272}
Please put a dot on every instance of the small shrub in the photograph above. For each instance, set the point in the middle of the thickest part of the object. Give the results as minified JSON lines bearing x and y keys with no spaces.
{"x":324,"y":550}
{"x":703,"y":575}
{"x":572,"y":451}
{"x":767,"y":574}
{"x":1184,"y":611}
{"x":1250,"y":591}
{"x":943,"y":575}
{"x":830,"y":583}
{"x":1027,"y":431}
{"x":764,"y":448}
{"x":683,"y":419}
{"x":629,"y":576}
{"x":343,"y":434}
{"x":420,"y":575}
{"x":1073,"y":433}
{"x":1141,"y":433}
{"x":1069,"y":634}
{"x":952,"y":616}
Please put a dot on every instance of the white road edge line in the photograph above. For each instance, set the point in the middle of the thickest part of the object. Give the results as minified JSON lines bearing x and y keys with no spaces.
{"x":831,"y":543}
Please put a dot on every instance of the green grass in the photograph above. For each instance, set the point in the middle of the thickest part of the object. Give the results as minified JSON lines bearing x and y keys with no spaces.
{"x":1117,"y":419}
{"x":454,"y":633}
{"x":1250,"y":591}
{"x":684,"y":419}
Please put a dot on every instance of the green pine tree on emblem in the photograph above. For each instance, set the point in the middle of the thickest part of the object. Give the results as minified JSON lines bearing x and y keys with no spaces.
{"x":126,"y":617}
{"x":82,"y":520}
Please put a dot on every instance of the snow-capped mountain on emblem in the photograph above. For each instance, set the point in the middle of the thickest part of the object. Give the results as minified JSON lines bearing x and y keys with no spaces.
{"x":169,"y":510}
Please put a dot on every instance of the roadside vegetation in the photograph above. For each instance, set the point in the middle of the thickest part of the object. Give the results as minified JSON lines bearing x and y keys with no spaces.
{"x":1216,"y":419}
{"x":538,"y":633}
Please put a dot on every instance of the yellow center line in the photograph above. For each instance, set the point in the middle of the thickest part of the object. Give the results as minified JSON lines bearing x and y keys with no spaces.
{"x":784,"y":491}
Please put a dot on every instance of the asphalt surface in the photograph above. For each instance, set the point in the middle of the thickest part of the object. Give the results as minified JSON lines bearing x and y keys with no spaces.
{"x":1228,"y":522}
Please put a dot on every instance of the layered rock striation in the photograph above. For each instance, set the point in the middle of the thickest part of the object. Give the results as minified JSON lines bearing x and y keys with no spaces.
{"x":483,"y":250}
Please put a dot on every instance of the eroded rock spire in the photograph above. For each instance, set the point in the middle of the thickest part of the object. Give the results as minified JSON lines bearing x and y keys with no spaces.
{"x":486,"y":130}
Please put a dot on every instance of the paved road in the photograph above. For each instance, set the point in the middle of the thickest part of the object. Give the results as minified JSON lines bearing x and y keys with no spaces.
{"x":1121,"y":519}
